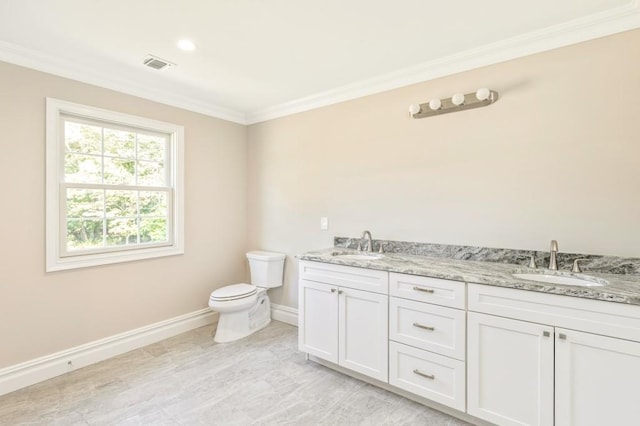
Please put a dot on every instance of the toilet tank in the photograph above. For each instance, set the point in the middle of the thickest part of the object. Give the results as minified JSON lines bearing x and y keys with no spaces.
{"x":267,"y":268}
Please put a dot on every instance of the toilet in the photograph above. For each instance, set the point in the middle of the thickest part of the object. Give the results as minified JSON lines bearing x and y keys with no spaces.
{"x":245,"y":308}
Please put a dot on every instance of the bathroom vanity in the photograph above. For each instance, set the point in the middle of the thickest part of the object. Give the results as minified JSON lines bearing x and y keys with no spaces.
{"x":471,"y":339}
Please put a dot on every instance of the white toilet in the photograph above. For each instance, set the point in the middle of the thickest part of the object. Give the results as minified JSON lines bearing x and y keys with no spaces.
{"x":245,"y":308}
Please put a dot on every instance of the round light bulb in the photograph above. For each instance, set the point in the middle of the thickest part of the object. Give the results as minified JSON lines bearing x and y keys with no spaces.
{"x":435,"y":104}
{"x":414,"y":109}
{"x":457,"y":99}
{"x":483,"y":94}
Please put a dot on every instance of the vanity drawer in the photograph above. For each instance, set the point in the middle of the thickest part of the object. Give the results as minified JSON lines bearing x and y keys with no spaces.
{"x":430,"y":327}
{"x":345,"y":276}
{"x":435,"y":377}
{"x":426,"y":289}
{"x":593,"y":316}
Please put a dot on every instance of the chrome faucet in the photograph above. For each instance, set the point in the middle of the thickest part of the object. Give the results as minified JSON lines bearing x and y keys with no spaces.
{"x":553,"y":259}
{"x":369,"y":240}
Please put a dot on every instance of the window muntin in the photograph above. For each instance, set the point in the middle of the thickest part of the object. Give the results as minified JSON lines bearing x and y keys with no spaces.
{"x":114,"y":187}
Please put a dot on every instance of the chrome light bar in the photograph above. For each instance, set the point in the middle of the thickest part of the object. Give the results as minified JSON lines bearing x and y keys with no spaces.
{"x":458,"y":102}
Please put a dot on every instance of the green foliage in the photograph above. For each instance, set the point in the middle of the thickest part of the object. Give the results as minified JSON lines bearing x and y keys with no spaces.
{"x":99,"y":218}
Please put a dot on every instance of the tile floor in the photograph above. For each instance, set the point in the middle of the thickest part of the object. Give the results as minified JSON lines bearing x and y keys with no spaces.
{"x":190,"y":380}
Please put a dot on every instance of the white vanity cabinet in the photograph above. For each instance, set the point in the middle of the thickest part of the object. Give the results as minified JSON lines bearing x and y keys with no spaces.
{"x":501,"y":355}
{"x":427,"y":338}
{"x":343,"y":316}
{"x":533,"y":356}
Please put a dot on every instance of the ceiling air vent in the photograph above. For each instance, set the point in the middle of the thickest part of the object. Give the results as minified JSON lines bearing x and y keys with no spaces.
{"x":156,"y":63}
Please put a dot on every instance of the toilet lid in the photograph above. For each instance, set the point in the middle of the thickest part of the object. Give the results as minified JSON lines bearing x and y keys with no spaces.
{"x":235,"y":291}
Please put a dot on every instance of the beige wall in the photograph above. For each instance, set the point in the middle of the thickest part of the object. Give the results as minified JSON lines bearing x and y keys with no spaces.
{"x":557,"y":157}
{"x":40,"y":312}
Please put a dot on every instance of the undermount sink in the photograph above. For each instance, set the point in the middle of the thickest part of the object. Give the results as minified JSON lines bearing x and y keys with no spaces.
{"x":550,"y":278}
{"x":359,"y":256}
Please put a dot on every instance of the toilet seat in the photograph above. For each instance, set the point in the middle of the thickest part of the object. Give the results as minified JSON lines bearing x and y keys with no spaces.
{"x":233,"y":292}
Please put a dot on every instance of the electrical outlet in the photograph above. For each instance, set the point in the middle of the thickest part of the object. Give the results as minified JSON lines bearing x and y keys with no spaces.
{"x":324,"y":223}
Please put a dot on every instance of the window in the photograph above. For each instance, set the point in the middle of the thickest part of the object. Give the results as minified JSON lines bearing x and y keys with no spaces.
{"x":114,"y":187}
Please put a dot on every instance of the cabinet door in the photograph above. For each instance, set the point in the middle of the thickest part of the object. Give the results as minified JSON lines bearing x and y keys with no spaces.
{"x":363,"y":332}
{"x":509,"y":370}
{"x":318,"y":320}
{"x":597,"y":379}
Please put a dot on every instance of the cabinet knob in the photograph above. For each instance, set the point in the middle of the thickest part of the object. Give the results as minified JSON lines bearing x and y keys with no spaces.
{"x":562,"y":336}
{"x":546,"y":334}
{"x":340,"y":291}
{"x":333,"y":290}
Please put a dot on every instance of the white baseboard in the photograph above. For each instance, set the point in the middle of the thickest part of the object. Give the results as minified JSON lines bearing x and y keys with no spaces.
{"x":284,"y":314}
{"x":37,"y":370}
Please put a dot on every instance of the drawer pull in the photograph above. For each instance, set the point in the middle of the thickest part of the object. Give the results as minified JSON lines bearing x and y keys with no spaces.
{"x":425,"y":290}
{"x":426,"y":327}
{"x":426,"y":376}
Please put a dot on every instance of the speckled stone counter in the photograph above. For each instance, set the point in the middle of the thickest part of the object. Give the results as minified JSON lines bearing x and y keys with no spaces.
{"x":620,"y":288}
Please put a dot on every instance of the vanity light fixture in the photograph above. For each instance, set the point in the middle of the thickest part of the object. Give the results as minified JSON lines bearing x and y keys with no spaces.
{"x":458,"y":102}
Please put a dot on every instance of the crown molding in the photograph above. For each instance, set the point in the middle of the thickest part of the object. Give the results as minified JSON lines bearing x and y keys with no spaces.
{"x":594,"y":26}
{"x":50,"y":64}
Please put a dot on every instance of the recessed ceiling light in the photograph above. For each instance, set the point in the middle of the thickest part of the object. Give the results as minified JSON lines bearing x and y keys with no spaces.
{"x":185,"y":44}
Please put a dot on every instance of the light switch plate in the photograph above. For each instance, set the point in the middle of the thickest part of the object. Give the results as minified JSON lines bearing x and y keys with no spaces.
{"x":324,"y":223}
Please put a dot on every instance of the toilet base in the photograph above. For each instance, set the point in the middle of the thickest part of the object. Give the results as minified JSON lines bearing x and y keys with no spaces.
{"x":237,"y":325}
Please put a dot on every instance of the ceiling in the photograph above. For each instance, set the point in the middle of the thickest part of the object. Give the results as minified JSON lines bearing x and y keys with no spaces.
{"x":260,"y":59}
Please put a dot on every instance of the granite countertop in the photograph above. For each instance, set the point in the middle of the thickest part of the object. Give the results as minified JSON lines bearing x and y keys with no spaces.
{"x":620,"y":288}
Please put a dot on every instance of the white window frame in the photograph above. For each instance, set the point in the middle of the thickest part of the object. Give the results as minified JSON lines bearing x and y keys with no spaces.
{"x":56,"y":258}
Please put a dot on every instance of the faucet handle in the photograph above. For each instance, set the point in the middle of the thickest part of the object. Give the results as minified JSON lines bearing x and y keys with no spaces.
{"x":554,"y":245}
{"x":359,"y":246}
{"x":576,"y":265}
{"x":532,"y":262}
{"x":381,"y":249}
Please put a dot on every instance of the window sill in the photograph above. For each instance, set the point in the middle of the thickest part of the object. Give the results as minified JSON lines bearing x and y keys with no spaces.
{"x":98,"y":259}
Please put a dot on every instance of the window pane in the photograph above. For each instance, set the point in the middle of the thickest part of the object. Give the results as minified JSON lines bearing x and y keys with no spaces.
{"x":121,"y":203}
{"x":118,"y":171}
{"x":83,"y":203}
{"x":122,"y":232}
{"x":79,"y":168}
{"x":151,"y":173}
{"x":151,"y":148}
{"x":84,"y":234}
{"x":153,"y":203}
{"x":83,"y":138}
{"x":153,"y":230}
{"x":119,"y":143}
